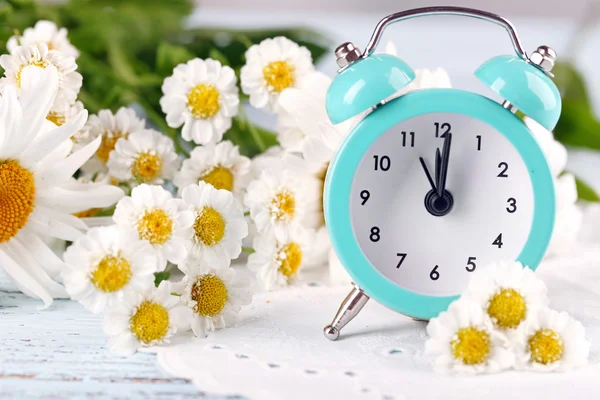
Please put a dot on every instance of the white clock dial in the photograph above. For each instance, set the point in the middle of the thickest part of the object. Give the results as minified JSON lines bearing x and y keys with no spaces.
{"x":490,"y":219}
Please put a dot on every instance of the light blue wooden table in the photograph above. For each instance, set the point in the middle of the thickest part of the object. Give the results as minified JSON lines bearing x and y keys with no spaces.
{"x":60,"y":353}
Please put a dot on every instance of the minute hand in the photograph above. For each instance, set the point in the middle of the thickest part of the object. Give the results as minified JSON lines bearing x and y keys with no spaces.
{"x":441,"y":183}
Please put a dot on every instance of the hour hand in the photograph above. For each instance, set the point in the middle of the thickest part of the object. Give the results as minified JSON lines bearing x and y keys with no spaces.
{"x":429,"y":178}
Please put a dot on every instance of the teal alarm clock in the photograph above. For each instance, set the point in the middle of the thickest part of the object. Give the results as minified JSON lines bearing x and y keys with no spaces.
{"x":438,"y":183}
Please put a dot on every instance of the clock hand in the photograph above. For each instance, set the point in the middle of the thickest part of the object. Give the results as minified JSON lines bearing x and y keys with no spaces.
{"x":441,"y":183}
{"x":438,"y":164}
{"x":428,"y":174}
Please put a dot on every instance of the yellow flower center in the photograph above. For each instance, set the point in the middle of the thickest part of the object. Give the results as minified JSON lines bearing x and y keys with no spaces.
{"x":220,"y":177}
{"x":290,"y":258}
{"x":209,"y":226}
{"x":321,"y":176}
{"x":209,"y":294}
{"x":546,"y":346}
{"x":279,"y":75}
{"x":17,"y":195}
{"x":507,"y":308}
{"x":203,"y":101}
{"x":109,"y":140}
{"x":36,"y":63}
{"x":147,"y":167}
{"x":150,"y":323}
{"x":283,"y":205}
{"x":87,"y":213}
{"x":57,"y":119}
{"x":155,"y":226}
{"x":471,"y":346}
{"x":111,"y":273}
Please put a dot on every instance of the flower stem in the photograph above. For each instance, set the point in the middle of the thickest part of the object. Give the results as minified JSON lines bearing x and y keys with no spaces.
{"x":248,"y":250}
{"x":253,"y":132}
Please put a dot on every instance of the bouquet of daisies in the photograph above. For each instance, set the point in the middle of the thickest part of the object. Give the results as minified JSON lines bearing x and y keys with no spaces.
{"x":134,"y":203}
{"x":137,"y":199}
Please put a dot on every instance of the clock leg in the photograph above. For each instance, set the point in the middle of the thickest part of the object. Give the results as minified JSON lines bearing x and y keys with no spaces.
{"x":349,"y":309}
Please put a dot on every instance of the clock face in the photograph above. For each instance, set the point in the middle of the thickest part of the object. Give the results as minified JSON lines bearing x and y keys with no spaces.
{"x":489,"y":220}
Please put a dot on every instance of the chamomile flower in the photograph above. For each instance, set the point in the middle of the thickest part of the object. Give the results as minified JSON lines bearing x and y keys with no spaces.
{"x":555,"y":152}
{"x":215,"y":297}
{"x":277,"y":264}
{"x":38,"y":56}
{"x":508,"y":293}
{"x":550,"y":341}
{"x":110,"y":127}
{"x":427,"y":79}
{"x":279,"y":200}
{"x":159,"y":219}
{"x":202,"y":96}
{"x":58,"y":116}
{"x":220,"y":165}
{"x":37,"y":193}
{"x":141,"y":319}
{"x":272,"y":66}
{"x":314,"y":176}
{"x":569,"y":217}
{"x":44,"y":32}
{"x":464,"y":340}
{"x":105,"y":263}
{"x":219,"y":225}
{"x":147,"y":156}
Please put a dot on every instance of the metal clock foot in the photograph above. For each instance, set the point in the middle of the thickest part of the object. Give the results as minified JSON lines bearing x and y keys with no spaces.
{"x":349,"y":309}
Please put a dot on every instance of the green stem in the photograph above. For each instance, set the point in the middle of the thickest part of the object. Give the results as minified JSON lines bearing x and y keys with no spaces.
{"x":247,"y":214}
{"x":245,"y":41}
{"x":253,"y":132}
{"x":248,"y":250}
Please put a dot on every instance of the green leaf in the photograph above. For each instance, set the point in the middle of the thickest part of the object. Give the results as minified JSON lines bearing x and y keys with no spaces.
{"x":161,"y":276}
{"x":570,"y":82}
{"x":586,"y":192}
{"x":215,"y":54}
{"x":251,"y":139}
{"x":577,"y":126}
{"x":168,"y":56}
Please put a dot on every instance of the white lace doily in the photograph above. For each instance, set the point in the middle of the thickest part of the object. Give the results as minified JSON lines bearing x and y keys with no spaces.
{"x":278,"y":351}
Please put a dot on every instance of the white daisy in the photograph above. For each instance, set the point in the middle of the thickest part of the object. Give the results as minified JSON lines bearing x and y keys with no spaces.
{"x":551,"y":341}
{"x":147,"y":156}
{"x":159,"y":219}
{"x":202,"y":96}
{"x":58,"y":116}
{"x":220,"y":165}
{"x":219,"y":225}
{"x":266,"y":160}
{"x":427,"y":79}
{"x":110,"y":127}
{"x":106,"y":263}
{"x":464,"y":340}
{"x":555,"y":152}
{"x":569,"y":217}
{"x":507,"y":292}
{"x":44,"y":32}
{"x":280,"y":200}
{"x":277,"y":264}
{"x":215,"y":297}
{"x":142,"y":319}
{"x":272,"y":66}
{"x":69,"y":80}
{"x":37,"y":193}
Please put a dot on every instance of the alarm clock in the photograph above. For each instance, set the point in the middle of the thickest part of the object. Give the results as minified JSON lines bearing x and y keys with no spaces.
{"x":433,"y":185}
